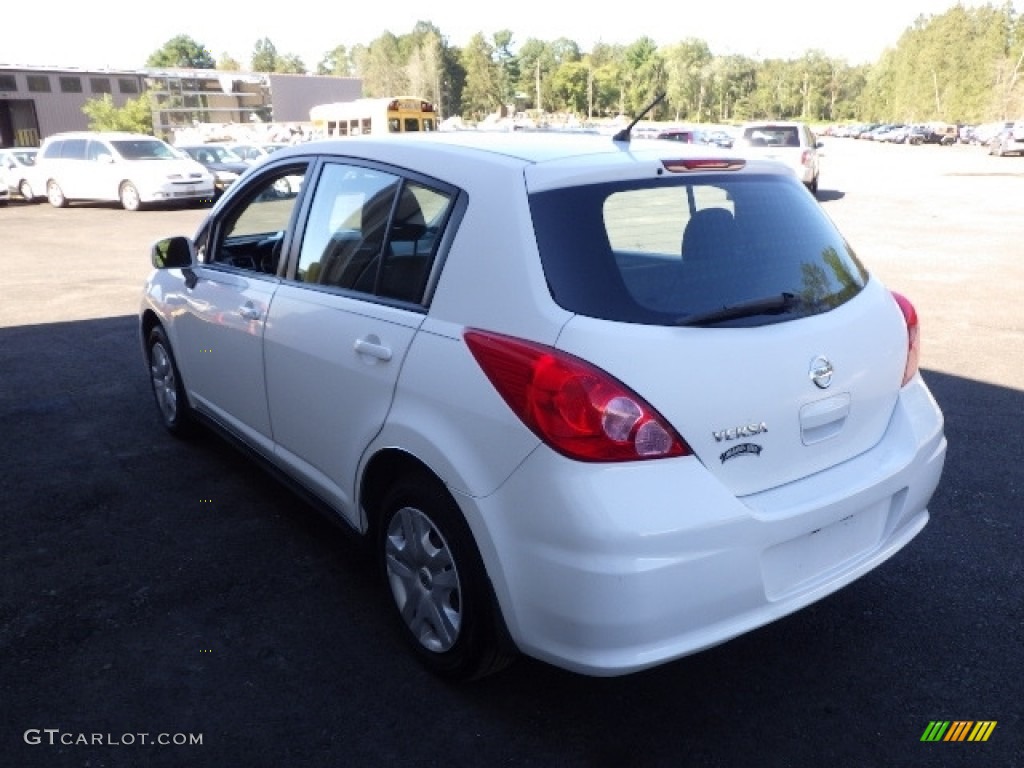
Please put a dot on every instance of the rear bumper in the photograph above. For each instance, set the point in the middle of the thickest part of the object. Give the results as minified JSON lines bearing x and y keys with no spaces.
{"x":607,"y":570}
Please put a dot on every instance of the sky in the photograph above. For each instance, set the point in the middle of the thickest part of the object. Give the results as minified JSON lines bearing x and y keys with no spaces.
{"x":121,"y":34}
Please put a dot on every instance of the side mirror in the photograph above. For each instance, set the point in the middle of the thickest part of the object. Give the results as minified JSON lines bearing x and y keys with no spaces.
{"x":172,"y":253}
{"x":105,"y":157}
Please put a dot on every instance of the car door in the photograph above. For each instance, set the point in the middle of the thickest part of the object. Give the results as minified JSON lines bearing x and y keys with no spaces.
{"x":101,"y":172}
{"x":225,"y":305}
{"x":341,"y":324}
{"x":70,"y":168}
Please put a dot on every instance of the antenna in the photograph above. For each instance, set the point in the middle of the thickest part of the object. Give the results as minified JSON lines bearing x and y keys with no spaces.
{"x":624,"y":134}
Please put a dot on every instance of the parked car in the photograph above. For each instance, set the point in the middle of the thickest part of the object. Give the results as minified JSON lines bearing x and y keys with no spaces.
{"x":131,"y":168}
{"x":224,"y":164}
{"x":1009,"y":141}
{"x":896,"y":134}
{"x":605,"y":408}
{"x":18,"y":173}
{"x":983,"y":134}
{"x":252,"y":152}
{"x":720,"y":138}
{"x":684,"y":135}
{"x":792,"y":143}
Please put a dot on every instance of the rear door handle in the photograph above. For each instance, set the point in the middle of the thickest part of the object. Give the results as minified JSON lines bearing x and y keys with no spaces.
{"x":372,"y":347}
{"x":249,"y":311}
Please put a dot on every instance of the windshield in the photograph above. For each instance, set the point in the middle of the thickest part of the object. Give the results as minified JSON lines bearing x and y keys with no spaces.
{"x":143,"y":149}
{"x":725,"y":250}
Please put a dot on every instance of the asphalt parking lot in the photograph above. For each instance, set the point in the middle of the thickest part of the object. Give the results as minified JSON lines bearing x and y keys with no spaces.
{"x":155,"y":589}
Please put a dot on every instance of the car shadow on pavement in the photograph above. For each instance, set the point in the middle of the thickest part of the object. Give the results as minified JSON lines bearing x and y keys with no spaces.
{"x":829,"y":195}
{"x":157,"y":585}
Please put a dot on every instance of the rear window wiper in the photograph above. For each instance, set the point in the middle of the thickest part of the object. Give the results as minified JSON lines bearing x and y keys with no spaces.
{"x":770,"y":305}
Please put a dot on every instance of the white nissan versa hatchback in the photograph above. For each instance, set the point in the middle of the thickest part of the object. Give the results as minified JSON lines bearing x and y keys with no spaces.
{"x":601,"y":402}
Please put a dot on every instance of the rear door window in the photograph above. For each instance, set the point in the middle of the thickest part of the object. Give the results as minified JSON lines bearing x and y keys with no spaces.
{"x":670,"y":253}
{"x":373,"y":232}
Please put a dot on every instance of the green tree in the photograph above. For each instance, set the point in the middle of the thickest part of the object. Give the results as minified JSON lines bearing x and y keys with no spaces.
{"x":336,"y":62}
{"x":606,"y":62}
{"x":181,"y":52}
{"x":644,"y":77}
{"x":453,"y":81}
{"x":482,"y":93}
{"x":570,"y":86}
{"x":424,"y":70}
{"x":381,"y":65}
{"x":957,"y":66}
{"x":228,"y":63}
{"x":290,"y":64}
{"x":684,"y":64}
{"x":264,"y":56}
{"x":536,"y":62}
{"x":136,"y":116}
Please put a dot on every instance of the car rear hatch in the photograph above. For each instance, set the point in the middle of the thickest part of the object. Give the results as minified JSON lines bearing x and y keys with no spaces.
{"x":730,"y":303}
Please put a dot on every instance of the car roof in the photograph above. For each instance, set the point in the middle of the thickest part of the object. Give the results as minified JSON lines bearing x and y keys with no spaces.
{"x":781,"y":123}
{"x":547,"y":160}
{"x":100,"y":135}
{"x":527,"y":148}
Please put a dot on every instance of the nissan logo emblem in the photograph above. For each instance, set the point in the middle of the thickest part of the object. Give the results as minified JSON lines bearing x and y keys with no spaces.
{"x":821,"y":372}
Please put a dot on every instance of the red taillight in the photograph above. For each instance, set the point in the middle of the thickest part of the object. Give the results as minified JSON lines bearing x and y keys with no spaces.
{"x":913,"y":336}
{"x":704,"y":164}
{"x":574,"y":407}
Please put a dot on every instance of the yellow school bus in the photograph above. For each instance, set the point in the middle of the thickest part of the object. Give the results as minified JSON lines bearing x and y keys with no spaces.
{"x":365,"y":116}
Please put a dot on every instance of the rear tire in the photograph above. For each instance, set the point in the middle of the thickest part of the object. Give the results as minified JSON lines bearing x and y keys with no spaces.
{"x":25,"y":190}
{"x":440,"y":592}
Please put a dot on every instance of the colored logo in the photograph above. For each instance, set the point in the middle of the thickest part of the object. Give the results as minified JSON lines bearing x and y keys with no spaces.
{"x":958,"y":730}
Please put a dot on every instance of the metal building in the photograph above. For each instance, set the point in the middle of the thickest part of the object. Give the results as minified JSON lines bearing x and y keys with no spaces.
{"x":36,"y":102}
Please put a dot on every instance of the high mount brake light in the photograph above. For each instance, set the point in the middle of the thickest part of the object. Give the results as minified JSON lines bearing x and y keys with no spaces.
{"x":913,"y":336}
{"x":704,"y":164}
{"x":574,"y":407}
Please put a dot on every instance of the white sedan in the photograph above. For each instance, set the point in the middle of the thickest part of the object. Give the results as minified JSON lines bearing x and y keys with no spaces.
{"x":602,"y":402}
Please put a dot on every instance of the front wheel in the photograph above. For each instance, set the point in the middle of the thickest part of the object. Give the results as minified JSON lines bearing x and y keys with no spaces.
{"x":171,"y":401}
{"x":130,"y":199}
{"x":441,"y":595}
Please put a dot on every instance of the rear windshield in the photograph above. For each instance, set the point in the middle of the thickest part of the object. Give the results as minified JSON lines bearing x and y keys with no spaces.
{"x":772,"y":136}
{"x":722,"y":250}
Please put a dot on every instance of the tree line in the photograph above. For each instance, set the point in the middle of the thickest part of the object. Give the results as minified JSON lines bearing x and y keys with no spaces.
{"x":964,"y":65}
